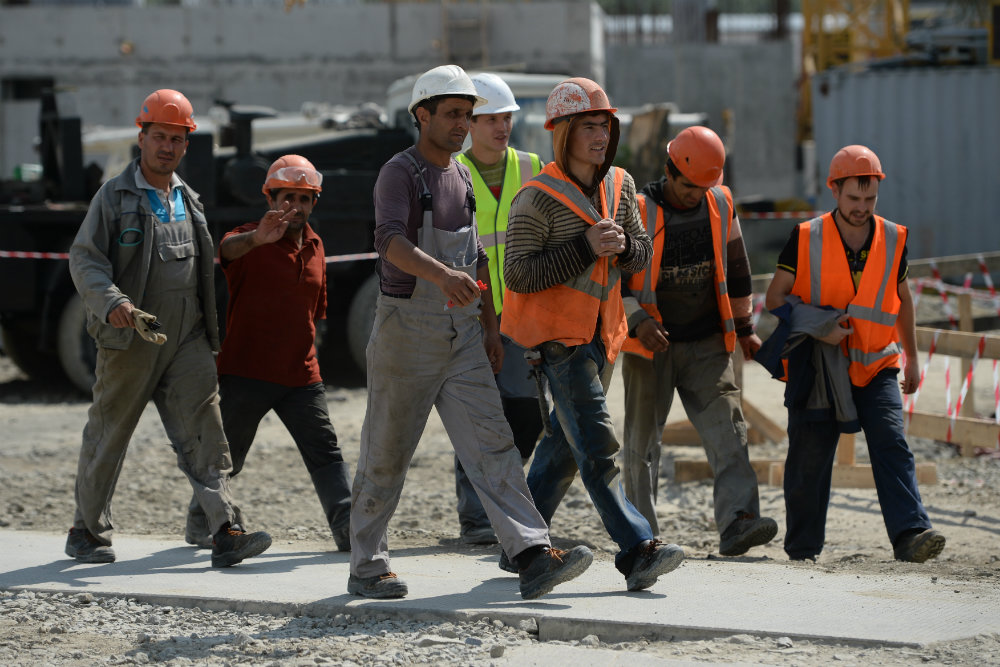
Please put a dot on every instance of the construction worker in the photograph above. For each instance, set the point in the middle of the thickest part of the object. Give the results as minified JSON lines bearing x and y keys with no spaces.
{"x":572,"y":229}
{"x":144,"y":243}
{"x":276,"y":272}
{"x":498,"y":172}
{"x":687,"y":310}
{"x":435,"y":342}
{"x":841,"y":295}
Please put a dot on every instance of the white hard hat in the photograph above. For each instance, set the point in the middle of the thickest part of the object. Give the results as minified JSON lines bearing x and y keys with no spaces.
{"x":499,"y":97}
{"x":448,"y":80}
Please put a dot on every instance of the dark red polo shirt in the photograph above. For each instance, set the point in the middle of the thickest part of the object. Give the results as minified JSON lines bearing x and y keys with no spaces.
{"x":276,"y":294}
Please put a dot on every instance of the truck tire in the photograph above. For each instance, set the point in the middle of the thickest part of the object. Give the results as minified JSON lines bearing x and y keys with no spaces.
{"x":77,"y":350}
{"x":21,"y":345}
{"x":360,"y":317}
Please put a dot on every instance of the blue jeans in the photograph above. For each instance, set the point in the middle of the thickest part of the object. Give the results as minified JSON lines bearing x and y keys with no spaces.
{"x":584,"y":439}
{"x":812,"y":447}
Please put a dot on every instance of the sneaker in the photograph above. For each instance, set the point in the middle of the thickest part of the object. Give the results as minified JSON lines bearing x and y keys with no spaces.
{"x":652,"y":559}
{"x":381,"y":586}
{"x":232,"y":545}
{"x":919,"y":546}
{"x":746,"y":532}
{"x":505,"y":563}
{"x":552,"y":567}
{"x":85,"y":548}
{"x":481,"y":535}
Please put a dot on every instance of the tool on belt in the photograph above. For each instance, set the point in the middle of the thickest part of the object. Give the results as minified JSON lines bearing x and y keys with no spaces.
{"x":146,"y":325}
{"x":534,"y":359}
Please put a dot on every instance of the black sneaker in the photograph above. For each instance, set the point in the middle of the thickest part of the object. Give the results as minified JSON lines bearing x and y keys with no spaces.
{"x":480,"y":535}
{"x":232,"y":545}
{"x":381,"y":586}
{"x":919,"y":546}
{"x":505,"y":563}
{"x":746,"y":532}
{"x":552,"y":567}
{"x":196,"y":531}
{"x":85,"y":548}
{"x":342,"y":537}
{"x":652,"y":559}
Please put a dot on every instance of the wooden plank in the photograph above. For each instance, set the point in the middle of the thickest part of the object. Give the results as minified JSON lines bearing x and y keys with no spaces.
{"x":952,"y":265}
{"x":690,"y":470}
{"x":845,"y":449}
{"x":854,"y":477}
{"x":965,"y":323}
{"x":958,"y":343}
{"x":759,"y":421}
{"x":680,"y":433}
{"x":968,"y":432}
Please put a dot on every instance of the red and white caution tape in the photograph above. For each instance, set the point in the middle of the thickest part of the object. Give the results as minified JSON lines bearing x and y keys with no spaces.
{"x":781,"y":215}
{"x":25,"y":254}
{"x":965,"y":385}
{"x":22,"y":254}
{"x":912,"y":398}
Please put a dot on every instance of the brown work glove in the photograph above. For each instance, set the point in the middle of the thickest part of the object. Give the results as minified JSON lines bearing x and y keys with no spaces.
{"x":142,"y":325}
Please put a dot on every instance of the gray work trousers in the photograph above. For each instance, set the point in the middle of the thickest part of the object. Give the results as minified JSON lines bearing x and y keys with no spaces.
{"x":180,"y":378}
{"x":702,"y":373}
{"x":418,"y":359}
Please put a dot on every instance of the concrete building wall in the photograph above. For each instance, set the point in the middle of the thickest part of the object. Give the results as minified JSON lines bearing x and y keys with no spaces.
{"x":112,"y":57}
{"x":755,"y":81}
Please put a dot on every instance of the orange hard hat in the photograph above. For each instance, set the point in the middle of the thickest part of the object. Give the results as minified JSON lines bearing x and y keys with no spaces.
{"x":854,"y":160}
{"x":573,"y":96}
{"x":699,"y":155}
{"x":167,"y":107}
{"x":293,"y":171}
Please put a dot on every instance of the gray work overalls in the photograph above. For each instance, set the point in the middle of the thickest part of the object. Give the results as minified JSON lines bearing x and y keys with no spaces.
{"x":179,"y":376}
{"x":423,"y":354}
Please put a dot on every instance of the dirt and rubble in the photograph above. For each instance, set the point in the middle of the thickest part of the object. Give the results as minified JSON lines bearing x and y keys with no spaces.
{"x":40,"y":430}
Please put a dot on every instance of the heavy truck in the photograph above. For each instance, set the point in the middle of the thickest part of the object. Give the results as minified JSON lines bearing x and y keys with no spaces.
{"x":42,"y":319}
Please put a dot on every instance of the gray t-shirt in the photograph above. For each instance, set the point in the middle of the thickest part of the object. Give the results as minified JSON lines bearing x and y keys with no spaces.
{"x":398,"y":210}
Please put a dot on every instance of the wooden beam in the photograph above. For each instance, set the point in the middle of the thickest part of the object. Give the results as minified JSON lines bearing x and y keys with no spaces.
{"x":958,"y":343}
{"x":690,"y":470}
{"x":759,"y":421}
{"x":967,"y":432}
{"x":857,"y":476}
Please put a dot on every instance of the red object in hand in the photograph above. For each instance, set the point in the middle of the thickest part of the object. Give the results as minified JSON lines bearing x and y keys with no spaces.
{"x":482,"y":288}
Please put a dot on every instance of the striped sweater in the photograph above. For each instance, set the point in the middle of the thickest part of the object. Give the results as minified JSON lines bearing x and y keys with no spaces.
{"x":546,"y":245}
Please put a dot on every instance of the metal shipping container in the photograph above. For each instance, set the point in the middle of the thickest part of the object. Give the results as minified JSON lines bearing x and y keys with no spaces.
{"x":937,"y":134}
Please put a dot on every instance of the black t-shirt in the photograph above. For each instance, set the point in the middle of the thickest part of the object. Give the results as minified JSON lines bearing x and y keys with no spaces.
{"x":789,"y":257}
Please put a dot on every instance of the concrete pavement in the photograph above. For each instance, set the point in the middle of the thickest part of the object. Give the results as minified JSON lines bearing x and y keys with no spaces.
{"x":701,"y":599}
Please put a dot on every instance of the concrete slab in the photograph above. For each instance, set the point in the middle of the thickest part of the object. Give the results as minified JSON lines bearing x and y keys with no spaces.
{"x":701,"y":599}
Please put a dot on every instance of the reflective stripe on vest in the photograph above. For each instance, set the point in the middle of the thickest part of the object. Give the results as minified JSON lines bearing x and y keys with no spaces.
{"x":570,"y":312}
{"x":492,"y":213}
{"x":823,"y":278}
{"x":643,"y":284}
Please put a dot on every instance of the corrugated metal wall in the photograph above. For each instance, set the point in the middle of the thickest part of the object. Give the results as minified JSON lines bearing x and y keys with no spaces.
{"x":937,"y":134}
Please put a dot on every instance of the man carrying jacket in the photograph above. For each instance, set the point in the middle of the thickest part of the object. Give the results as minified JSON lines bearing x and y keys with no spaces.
{"x":572,"y":230}
{"x":686,"y":312}
{"x":855,"y":262}
{"x":435,"y":343}
{"x":144,"y":243}
{"x":276,"y":272}
{"x":498,"y":172}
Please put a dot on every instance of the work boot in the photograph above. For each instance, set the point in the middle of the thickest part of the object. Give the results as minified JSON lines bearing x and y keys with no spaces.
{"x":196,"y":530}
{"x":381,"y":586}
{"x":233,"y":545}
{"x":652,"y":558}
{"x":333,"y":486}
{"x":917,"y":546}
{"x":505,"y":563}
{"x":745,"y":532}
{"x":85,"y":548}
{"x":481,"y":535}
{"x":551,"y":567}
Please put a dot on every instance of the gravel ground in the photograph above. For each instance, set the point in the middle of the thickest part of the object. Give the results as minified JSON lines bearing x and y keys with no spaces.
{"x":39,"y":442}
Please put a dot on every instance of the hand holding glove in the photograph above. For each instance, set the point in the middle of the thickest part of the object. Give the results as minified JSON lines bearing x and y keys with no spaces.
{"x":146,"y":324}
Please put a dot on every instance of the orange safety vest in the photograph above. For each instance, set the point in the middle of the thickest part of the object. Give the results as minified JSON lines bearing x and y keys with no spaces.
{"x":823,"y":278}
{"x":643,"y":285}
{"x":568,"y":313}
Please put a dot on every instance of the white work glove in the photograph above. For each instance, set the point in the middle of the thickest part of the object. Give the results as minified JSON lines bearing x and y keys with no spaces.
{"x":142,"y":325}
